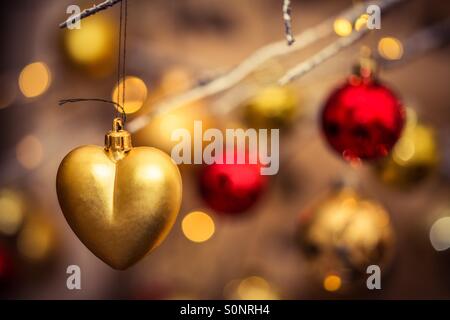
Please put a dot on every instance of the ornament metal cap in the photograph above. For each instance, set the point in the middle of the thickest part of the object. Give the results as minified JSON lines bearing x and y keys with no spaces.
{"x":118,"y":139}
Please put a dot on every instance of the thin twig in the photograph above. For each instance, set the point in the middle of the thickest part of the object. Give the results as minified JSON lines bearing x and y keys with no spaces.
{"x":320,"y":57}
{"x":89,"y":12}
{"x":287,"y":22}
{"x":246,"y":67}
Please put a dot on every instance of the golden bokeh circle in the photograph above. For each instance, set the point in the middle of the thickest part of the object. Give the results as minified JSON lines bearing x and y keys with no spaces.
{"x":342,"y":27}
{"x":198,"y":226}
{"x":29,"y":152}
{"x":390,"y":48}
{"x":332,"y":283}
{"x":34,"y":79}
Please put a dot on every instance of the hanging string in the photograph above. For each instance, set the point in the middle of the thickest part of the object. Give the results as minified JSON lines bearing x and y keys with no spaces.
{"x":119,"y":110}
{"x":125,"y":4}
{"x":119,"y":56}
{"x":119,"y":106}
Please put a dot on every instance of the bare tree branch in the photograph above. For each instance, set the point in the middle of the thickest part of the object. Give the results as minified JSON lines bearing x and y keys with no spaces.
{"x":258,"y":58}
{"x":89,"y":12}
{"x":320,"y":57}
{"x":287,"y":22}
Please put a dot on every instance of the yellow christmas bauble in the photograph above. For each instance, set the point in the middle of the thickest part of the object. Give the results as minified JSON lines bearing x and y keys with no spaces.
{"x":119,"y":200}
{"x":12,"y":212}
{"x":272,"y":107}
{"x":93,"y":46}
{"x":345,"y":233}
{"x":413,"y":158}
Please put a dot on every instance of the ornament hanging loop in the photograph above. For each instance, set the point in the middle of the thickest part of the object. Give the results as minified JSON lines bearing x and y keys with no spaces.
{"x":117,"y":125}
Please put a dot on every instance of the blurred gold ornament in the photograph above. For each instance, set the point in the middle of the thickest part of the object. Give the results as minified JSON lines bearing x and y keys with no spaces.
{"x":272,"y":107}
{"x":198,"y":226}
{"x":93,"y":46}
{"x":346,"y":233}
{"x":413,"y":158}
{"x":119,"y":200}
{"x":37,"y":238}
{"x":12,"y":212}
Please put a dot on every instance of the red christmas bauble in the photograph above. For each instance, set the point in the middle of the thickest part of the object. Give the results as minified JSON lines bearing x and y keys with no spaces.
{"x":363,"y":119}
{"x":231,"y":188}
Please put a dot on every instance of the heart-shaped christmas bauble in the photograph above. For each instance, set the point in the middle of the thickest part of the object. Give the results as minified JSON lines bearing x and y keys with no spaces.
{"x":120,"y":201}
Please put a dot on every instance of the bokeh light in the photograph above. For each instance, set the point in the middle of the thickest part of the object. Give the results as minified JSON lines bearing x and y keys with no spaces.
{"x":415,"y":156}
{"x":135,"y":94}
{"x":440,"y":234}
{"x":198,"y":226}
{"x":332,"y":283}
{"x":11,"y":212}
{"x":342,"y":27}
{"x":29,"y":152}
{"x":255,"y":288}
{"x":361,"y":22}
{"x":93,"y":45}
{"x":34,"y":79}
{"x":390,"y":48}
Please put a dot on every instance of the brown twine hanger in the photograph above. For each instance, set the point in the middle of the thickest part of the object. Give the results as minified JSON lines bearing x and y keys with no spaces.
{"x":121,"y":68}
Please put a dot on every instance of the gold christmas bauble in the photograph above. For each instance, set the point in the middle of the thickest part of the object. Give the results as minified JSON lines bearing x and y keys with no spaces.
{"x":346,"y":233}
{"x":119,"y":200}
{"x":92,"y":47}
{"x":12,"y":212}
{"x":413,"y":158}
{"x":272,"y":107}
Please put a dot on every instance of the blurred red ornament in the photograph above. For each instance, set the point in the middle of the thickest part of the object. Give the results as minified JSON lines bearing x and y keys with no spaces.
{"x":232,"y":188}
{"x":363,"y":119}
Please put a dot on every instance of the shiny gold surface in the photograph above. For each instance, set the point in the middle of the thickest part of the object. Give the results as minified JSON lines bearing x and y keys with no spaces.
{"x":121,"y":207}
{"x":346,"y":232}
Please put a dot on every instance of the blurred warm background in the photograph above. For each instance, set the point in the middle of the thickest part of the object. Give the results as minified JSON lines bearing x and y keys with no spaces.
{"x":315,"y":226}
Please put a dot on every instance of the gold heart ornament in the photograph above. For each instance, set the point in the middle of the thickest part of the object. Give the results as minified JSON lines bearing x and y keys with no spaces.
{"x":120,"y":201}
